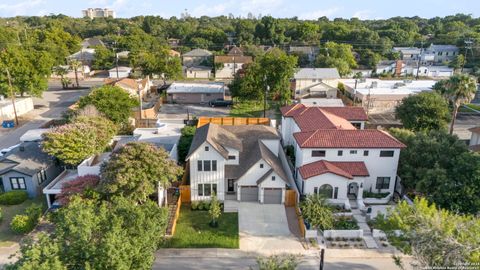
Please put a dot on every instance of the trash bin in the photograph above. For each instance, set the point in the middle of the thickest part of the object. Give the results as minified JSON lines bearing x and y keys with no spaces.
{"x":8,"y":124}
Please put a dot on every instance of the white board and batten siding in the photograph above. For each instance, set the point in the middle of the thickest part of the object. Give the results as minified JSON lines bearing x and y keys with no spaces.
{"x":278,"y":183}
{"x":209,"y":177}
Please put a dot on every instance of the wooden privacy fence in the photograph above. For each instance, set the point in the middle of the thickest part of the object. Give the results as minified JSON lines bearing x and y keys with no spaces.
{"x":290,"y":197}
{"x":173,"y":223}
{"x":233,"y":121}
{"x":301,"y":224}
{"x":185,"y":193}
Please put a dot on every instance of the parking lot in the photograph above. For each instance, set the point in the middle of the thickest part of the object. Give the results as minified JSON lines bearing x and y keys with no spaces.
{"x":184,"y":111}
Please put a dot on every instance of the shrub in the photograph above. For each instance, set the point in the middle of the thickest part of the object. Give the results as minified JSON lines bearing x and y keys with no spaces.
{"x":205,"y":205}
{"x":329,"y":238}
{"x":34,"y":212}
{"x":385,"y":244}
{"x":338,"y":238}
{"x":358,"y":239}
{"x":13,"y":197}
{"x":22,"y":224}
{"x":1,"y":215}
{"x":334,"y":244}
{"x":345,"y":223}
{"x":344,"y":239}
{"x":195,"y":205}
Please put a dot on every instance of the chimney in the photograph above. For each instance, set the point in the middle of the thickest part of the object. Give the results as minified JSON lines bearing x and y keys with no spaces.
{"x":398,"y":68}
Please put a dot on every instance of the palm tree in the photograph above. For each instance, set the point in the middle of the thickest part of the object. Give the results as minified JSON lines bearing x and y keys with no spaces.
{"x":61,"y":71}
{"x":75,"y":64}
{"x":458,"y":89}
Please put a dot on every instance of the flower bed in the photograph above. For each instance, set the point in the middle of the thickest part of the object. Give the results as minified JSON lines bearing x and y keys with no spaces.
{"x":344,"y":242}
{"x":376,"y":198}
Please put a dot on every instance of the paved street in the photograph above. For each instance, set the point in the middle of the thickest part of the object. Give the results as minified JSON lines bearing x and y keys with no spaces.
{"x":54,"y":102}
{"x":237,"y":260}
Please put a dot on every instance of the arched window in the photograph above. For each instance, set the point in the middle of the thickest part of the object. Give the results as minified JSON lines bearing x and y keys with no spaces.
{"x":326,"y":191}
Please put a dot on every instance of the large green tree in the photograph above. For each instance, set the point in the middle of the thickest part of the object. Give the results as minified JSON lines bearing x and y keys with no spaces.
{"x":435,"y":237}
{"x":458,"y":89}
{"x":425,"y":111}
{"x":317,"y":212}
{"x":273,"y":70}
{"x":95,"y":234}
{"x":29,"y":71}
{"x":438,"y":166}
{"x":114,"y":102}
{"x":74,"y":142}
{"x":336,"y":55}
{"x":104,"y":58}
{"x":158,"y":62}
{"x":136,"y":171}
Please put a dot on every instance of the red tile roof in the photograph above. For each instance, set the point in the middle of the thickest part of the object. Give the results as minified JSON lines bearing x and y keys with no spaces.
{"x":344,"y":169}
{"x":314,"y":118}
{"x":342,"y":138}
{"x":348,"y":113}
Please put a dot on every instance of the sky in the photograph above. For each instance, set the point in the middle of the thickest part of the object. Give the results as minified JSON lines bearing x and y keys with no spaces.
{"x":303,"y":9}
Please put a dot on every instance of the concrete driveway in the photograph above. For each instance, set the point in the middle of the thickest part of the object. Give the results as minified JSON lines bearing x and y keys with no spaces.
{"x":264,"y":229}
{"x":179,"y":111}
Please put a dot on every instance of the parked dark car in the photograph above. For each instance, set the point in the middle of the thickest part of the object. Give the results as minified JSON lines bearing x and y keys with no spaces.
{"x":220,"y":102}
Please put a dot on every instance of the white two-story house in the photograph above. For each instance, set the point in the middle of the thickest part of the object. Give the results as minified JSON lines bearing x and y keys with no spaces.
{"x":239,"y":163}
{"x":337,"y":159}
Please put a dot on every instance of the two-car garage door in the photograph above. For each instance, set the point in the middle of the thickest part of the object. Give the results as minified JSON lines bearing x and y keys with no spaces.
{"x":249,"y":194}
{"x":270,"y":195}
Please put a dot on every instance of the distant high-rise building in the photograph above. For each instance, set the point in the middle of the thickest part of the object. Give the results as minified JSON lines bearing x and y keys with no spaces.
{"x":98,"y":13}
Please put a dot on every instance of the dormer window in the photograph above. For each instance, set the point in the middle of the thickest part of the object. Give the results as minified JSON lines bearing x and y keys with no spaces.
{"x":273,"y":178}
{"x":207,"y":148}
{"x":232,"y":157}
{"x":261,"y":165}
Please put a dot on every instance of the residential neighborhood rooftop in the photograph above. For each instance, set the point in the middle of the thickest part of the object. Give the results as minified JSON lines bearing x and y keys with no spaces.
{"x":344,"y":169}
{"x":27,"y":158}
{"x":343,"y":138}
{"x":176,"y":88}
{"x":317,"y":73}
{"x":389,"y":87}
{"x":197,"y":53}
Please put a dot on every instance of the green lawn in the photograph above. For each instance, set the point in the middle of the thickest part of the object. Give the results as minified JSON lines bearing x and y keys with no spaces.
{"x":7,"y":237}
{"x":255,"y":109}
{"x":193,"y":231}
{"x":473,"y":106}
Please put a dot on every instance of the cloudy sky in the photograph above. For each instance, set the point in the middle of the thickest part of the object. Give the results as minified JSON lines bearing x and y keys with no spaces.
{"x":304,"y":9}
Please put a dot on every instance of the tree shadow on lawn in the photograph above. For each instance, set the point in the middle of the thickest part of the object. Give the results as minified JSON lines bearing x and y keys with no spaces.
{"x":194,"y":231}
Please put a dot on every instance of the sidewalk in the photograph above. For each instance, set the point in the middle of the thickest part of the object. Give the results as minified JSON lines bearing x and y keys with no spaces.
{"x":236,"y":253}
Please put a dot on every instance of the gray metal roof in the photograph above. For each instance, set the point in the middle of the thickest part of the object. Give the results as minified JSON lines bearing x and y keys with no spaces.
{"x":197,"y":53}
{"x":317,"y":73}
{"x":442,"y":48}
{"x":177,"y":88}
{"x":28,"y":159}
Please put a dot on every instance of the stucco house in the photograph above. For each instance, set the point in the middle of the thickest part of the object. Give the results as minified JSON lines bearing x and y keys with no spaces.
{"x":131,"y":86}
{"x":232,"y":63}
{"x":27,"y":168}
{"x":238,"y":163}
{"x":119,"y":72}
{"x":198,"y":72}
{"x":408,"y":53}
{"x":196,"y":57}
{"x":315,"y":82}
{"x":438,"y":54}
{"x":335,"y":158}
{"x":85,"y":56}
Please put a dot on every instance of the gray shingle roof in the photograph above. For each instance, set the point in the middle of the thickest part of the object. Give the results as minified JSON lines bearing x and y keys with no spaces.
{"x":246,"y":139}
{"x":317,"y":73}
{"x":197,"y":53}
{"x":28,"y":161}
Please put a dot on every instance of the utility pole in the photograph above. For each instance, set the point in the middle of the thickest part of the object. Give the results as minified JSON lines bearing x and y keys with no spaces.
{"x":267,"y":88}
{"x":468,"y":47}
{"x":419,"y":58}
{"x":12,"y":96}
{"x":116,"y":65}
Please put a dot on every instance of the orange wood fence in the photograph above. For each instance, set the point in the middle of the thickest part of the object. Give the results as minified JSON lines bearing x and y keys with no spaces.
{"x":233,"y":121}
{"x":185,"y":193}
{"x":177,"y":214}
{"x":290,"y":197}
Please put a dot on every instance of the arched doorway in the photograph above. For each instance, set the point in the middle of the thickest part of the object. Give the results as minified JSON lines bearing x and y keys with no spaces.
{"x":353,"y":190}
{"x":326,"y":191}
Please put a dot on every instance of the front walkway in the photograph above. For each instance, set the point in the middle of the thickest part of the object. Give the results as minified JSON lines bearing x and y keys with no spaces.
{"x":367,"y":233}
{"x":264,"y":229}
